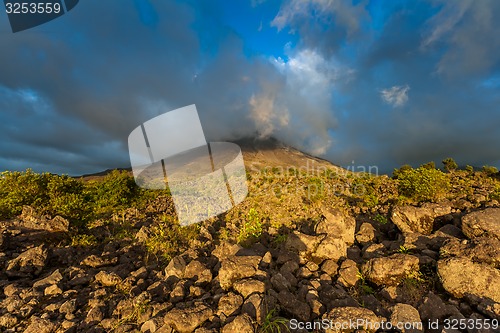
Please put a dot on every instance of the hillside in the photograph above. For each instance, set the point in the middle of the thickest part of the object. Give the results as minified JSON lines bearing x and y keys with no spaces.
{"x":311,"y":242}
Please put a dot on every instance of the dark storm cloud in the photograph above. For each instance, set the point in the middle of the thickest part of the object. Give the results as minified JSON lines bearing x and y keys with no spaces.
{"x":381,"y":83}
{"x":97,"y":73}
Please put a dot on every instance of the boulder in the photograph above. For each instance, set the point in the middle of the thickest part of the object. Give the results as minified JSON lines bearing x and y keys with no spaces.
{"x":390,"y":271}
{"x":483,"y":249}
{"x":482,"y":223}
{"x":330,"y":248}
{"x":404,"y":314}
{"x":188,"y":319}
{"x":235,"y":268}
{"x":462,"y":277}
{"x":418,"y":219}
{"x":242,"y":323}
{"x":29,"y":263}
{"x":229,"y":304}
{"x":337,"y":224}
{"x":352,"y":319}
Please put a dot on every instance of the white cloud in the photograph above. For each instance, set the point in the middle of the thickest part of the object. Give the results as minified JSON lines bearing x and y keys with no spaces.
{"x":396,"y":95}
{"x":298,"y":108}
{"x":346,"y":14}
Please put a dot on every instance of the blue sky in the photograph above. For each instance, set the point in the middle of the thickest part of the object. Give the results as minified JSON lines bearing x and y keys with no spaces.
{"x":379,"y":83}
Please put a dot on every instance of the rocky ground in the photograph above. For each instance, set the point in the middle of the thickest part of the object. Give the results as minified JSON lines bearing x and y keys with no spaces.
{"x":441,"y":264}
{"x":273,"y":261}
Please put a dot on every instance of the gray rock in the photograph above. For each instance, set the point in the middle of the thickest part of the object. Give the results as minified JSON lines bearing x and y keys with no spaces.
{"x":293,"y":306}
{"x":280,"y":283}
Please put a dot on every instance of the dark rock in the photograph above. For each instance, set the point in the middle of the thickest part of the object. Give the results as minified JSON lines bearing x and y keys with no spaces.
{"x":293,"y":306}
{"x":28,"y":263}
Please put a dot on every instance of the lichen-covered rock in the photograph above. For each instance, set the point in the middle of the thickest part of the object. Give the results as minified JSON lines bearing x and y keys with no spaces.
{"x":390,"y":270}
{"x":188,"y":319}
{"x":404,"y":314}
{"x":337,"y":224}
{"x":235,"y":268}
{"x":482,"y":223}
{"x":28,"y":263}
{"x":240,"y":324}
{"x":352,"y":319}
{"x":331,"y":248}
{"x":107,"y":279}
{"x":461,"y":277}
{"x":418,"y":219}
{"x":483,"y":249}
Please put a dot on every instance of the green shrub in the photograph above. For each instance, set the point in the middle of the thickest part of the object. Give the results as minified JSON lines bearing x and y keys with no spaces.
{"x":423,"y":184}
{"x":252,"y":227}
{"x":490,"y":170}
{"x":429,"y":165}
{"x":449,"y":164}
{"x":115,"y":191}
{"x":402,"y":169}
{"x":22,"y":188}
